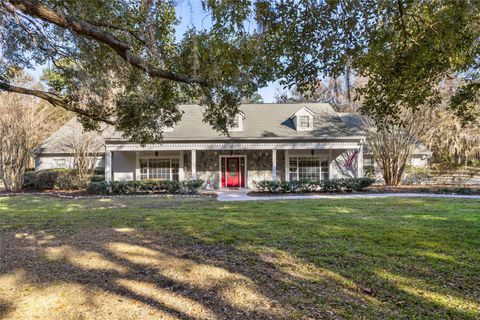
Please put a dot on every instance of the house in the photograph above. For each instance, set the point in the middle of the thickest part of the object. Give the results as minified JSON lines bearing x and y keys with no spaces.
{"x":267,"y":142}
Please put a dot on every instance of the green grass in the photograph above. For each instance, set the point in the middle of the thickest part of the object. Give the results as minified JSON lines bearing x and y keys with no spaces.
{"x":371,"y":258}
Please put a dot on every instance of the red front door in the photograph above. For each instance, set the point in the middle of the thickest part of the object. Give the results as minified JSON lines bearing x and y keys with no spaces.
{"x":233,"y":172}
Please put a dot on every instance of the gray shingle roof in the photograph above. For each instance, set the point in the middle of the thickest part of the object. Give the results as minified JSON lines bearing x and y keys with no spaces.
{"x":262,"y":121}
{"x":60,"y":141}
{"x":267,"y":121}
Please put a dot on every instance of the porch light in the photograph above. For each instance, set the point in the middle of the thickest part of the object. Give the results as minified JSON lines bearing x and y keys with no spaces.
{"x":156,"y":153}
{"x":312,"y":152}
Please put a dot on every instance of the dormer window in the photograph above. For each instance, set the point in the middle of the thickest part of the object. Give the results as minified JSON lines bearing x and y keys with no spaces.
{"x":237,"y":124}
{"x":303,"y":119}
{"x":304,"y":122}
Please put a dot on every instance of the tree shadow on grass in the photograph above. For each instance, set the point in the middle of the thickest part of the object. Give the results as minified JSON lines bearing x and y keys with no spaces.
{"x":337,"y":263}
{"x":111,"y":272}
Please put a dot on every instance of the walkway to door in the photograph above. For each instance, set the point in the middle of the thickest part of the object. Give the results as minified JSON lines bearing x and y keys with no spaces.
{"x":241,"y":195}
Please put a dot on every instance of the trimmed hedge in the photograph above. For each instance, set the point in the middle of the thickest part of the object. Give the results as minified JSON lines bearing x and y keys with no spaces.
{"x":56,"y":179}
{"x":458,"y":190}
{"x":327,"y":186}
{"x":144,"y":186}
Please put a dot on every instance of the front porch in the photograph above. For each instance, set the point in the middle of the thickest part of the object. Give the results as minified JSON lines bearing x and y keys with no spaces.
{"x":234,"y":165}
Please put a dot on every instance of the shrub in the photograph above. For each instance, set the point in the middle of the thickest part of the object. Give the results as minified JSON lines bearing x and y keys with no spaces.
{"x":309,"y":186}
{"x":290,"y":186}
{"x":29,"y":180}
{"x":464,"y":190}
{"x":417,"y":175}
{"x":100,"y":187}
{"x":333,"y":185}
{"x":443,"y":190}
{"x":458,"y":190}
{"x":189,"y":186}
{"x":52,"y":179}
{"x":97,"y":178}
{"x":125,"y":187}
{"x":144,"y":186}
{"x":267,"y":186}
{"x":360,"y":184}
{"x":99,"y":171}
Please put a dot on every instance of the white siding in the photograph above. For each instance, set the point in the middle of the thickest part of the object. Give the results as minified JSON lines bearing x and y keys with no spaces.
{"x":60,"y":162}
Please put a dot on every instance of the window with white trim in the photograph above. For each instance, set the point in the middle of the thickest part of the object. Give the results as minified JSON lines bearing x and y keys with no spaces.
{"x":159,"y":169}
{"x":368,"y":165}
{"x":308,"y":168}
{"x":325,"y":168}
{"x":303,"y":119}
{"x":304,"y":122}
{"x":237,"y":124}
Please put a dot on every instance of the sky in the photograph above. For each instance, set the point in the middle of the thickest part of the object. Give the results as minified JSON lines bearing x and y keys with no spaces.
{"x":191,"y":14}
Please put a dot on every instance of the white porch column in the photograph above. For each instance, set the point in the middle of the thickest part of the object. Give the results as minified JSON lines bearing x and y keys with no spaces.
{"x":274,"y":164}
{"x":137,"y":167}
{"x":330,"y":167}
{"x":360,"y":163}
{"x":181,"y":169}
{"x":194,"y":164}
{"x":287,"y":165}
{"x":108,"y":166}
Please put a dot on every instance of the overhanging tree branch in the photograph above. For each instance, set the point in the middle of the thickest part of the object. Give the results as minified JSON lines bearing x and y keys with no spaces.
{"x":91,"y":31}
{"x":111,"y":26}
{"x":55,"y":101}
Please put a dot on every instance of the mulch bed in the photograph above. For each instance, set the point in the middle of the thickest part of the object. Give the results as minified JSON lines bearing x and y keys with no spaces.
{"x":419,"y":188}
{"x":75,"y":194}
{"x":378,"y":189}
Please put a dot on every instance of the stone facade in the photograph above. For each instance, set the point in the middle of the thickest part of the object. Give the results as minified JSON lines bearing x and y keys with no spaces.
{"x":259,"y":166}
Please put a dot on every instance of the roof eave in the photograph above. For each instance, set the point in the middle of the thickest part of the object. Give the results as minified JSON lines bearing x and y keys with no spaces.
{"x":293,"y":139}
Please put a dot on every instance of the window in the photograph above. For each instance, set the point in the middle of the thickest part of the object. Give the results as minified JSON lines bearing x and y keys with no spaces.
{"x":303,"y":119}
{"x":308,"y":168}
{"x":304,"y":122}
{"x":325,"y":168}
{"x":368,"y":165}
{"x":237,"y":124}
{"x":159,"y":169}
{"x":143,"y":169}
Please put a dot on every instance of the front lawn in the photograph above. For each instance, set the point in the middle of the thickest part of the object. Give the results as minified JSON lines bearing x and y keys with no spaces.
{"x":171,"y":258}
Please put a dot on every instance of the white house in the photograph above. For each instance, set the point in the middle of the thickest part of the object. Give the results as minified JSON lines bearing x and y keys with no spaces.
{"x":304,"y":141}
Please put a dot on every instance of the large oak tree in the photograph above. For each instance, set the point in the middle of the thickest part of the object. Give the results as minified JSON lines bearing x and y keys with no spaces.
{"x":119,"y":61}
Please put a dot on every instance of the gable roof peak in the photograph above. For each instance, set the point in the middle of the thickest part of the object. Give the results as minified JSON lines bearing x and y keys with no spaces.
{"x":303,"y":111}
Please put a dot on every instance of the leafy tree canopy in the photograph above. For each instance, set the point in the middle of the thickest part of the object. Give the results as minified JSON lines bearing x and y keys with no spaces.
{"x":119,"y":61}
